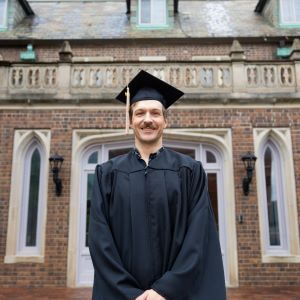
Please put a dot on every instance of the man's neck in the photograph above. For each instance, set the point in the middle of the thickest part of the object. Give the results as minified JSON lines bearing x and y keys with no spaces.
{"x":146,"y":149}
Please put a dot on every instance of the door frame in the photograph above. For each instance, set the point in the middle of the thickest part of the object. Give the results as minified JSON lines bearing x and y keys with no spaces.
{"x":220,"y":138}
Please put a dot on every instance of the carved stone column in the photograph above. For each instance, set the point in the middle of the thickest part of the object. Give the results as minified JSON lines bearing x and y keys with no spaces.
{"x":295,"y":56}
{"x":237,"y":56}
{"x":64,"y":70}
{"x":4,"y":77}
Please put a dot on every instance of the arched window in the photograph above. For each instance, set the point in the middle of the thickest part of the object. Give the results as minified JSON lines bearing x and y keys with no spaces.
{"x":152,"y":12}
{"x":31,"y":202}
{"x":273,"y":198}
{"x":290,"y":12}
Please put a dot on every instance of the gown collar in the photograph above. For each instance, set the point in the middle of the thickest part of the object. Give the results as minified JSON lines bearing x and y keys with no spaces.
{"x":151,"y":156}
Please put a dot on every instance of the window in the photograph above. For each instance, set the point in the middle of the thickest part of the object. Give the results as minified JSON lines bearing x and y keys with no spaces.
{"x":26,"y":227}
{"x":275,"y":226}
{"x":152,"y":12}
{"x":31,"y":202}
{"x":290,"y":12}
{"x":276,"y":195}
{"x":3,"y":10}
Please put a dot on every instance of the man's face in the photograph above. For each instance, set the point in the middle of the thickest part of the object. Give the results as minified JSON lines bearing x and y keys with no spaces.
{"x":148,"y":121}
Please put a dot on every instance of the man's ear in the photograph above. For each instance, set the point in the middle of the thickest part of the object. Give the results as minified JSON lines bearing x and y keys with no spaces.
{"x":166,"y":123}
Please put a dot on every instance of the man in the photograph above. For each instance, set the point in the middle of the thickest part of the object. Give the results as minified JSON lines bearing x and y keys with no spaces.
{"x":152,"y":234}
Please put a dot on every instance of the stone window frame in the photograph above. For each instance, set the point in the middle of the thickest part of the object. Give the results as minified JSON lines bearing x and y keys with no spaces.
{"x":22,"y":249}
{"x":289,"y":5}
{"x":152,"y":24}
{"x":23,"y":140}
{"x":4,"y":15}
{"x":281,"y":137}
{"x":218,"y":137}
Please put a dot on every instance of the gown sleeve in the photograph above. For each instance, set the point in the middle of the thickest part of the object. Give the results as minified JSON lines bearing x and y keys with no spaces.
{"x":200,"y":254}
{"x":111,"y":280}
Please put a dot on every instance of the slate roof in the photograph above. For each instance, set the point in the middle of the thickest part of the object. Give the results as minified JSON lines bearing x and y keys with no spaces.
{"x":108,"y":20}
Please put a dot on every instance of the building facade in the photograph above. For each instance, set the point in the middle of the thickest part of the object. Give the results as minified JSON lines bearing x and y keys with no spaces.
{"x":61,"y":65}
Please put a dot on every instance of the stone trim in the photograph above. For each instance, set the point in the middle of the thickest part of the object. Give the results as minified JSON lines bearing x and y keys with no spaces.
{"x":21,"y":141}
{"x":282,"y":136}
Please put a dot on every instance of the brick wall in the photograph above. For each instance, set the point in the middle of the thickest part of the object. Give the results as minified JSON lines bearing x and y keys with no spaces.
{"x":131,"y":51}
{"x":62,"y":122}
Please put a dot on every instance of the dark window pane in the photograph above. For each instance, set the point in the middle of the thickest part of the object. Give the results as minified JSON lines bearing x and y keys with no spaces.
{"x":189,"y":152}
{"x":145,"y":11}
{"x":213,"y":194}
{"x":210,"y":157}
{"x":272,"y":199}
{"x":33,"y":200}
{"x":90,"y":181}
{"x":93,"y":158}
{"x":116,"y":152}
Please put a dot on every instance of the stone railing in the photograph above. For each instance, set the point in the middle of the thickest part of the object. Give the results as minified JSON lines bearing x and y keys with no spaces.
{"x":199,"y":80}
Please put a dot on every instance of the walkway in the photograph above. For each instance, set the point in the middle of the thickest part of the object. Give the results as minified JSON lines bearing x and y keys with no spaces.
{"x":85,"y":294}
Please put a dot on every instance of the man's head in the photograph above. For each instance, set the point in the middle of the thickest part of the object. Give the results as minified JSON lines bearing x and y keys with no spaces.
{"x":148,"y":120}
{"x":148,"y":99}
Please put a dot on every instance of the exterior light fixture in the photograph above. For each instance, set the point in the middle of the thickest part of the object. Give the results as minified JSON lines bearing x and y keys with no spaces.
{"x":249,"y":160}
{"x":56,"y":162}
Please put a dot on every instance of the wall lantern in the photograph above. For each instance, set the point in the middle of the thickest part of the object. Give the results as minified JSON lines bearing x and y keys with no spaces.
{"x":56,"y":162}
{"x":249,"y":163}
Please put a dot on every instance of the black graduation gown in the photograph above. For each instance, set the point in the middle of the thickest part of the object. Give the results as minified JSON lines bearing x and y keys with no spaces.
{"x":153,"y":228}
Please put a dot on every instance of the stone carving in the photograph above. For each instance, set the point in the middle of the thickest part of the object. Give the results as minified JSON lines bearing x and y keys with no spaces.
{"x":190,"y":77}
{"x":33,"y":77}
{"x":224,"y":77}
{"x":252,"y":76}
{"x":206,"y":77}
{"x":175,"y":78}
{"x":286,"y":76}
{"x":268,"y":76}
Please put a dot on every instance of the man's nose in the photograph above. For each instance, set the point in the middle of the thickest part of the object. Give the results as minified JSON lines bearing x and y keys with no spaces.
{"x":148,"y":118}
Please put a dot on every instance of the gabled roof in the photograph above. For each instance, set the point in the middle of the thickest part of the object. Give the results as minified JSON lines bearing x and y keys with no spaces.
{"x":26,"y":7}
{"x":260,"y":6}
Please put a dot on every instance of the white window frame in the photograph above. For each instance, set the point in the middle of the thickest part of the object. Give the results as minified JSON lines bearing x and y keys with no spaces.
{"x":4,"y":15}
{"x":24,"y":143}
{"x":153,"y":22}
{"x":22,"y":248}
{"x":290,"y":6}
{"x":281,"y":137}
{"x":282,"y":217}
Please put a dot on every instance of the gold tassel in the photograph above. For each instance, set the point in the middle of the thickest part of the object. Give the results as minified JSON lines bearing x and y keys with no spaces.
{"x":127,"y":93}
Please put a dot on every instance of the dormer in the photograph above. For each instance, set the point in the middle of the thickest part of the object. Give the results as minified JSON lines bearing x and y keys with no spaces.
{"x":281,"y":13}
{"x":12,"y":12}
{"x":152,"y":14}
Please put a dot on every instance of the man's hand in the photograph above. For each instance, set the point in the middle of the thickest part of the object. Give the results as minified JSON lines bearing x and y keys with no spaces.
{"x":150,"y":295}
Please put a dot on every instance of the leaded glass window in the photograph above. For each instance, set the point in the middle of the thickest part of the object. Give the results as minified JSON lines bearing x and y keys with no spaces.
{"x":32,"y":203}
{"x":275,"y":219}
{"x":33,"y":198}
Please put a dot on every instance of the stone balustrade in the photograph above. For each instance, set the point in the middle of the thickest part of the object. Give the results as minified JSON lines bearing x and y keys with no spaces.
{"x":101,"y":81}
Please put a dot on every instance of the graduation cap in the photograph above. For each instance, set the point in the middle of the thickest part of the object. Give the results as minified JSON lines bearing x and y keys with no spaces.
{"x":145,"y":86}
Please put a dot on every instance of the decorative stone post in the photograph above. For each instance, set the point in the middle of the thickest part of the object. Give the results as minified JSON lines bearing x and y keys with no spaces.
{"x":295,"y":56}
{"x":238,"y":57}
{"x":4,"y":76}
{"x":64,"y":70}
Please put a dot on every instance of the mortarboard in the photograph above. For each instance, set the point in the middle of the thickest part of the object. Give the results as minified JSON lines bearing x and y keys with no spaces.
{"x":145,"y":86}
